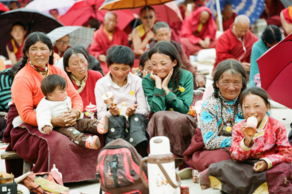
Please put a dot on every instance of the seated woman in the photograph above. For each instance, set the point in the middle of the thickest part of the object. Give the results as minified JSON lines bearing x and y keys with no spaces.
{"x":84,"y":80}
{"x":219,"y":113}
{"x":271,"y":36}
{"x":127,"y":115}
{"x":145,"y":65}
{"x":261,"y":160}
{"x":30,"y":144}
{"x":6,"y":77}
{"x":169,"y":92}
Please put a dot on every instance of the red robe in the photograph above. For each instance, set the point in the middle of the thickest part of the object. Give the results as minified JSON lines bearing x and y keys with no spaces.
{"x":190,"y":26}
{"x":87,"y":93}
{"x":287,"y":13}
{"x":227,"y":23}
{"x":228,"y":46}
{"x":101,"y":44}
{"x":58,"y":52}
{"x":272,"y":15}
{"x":17,"y":49}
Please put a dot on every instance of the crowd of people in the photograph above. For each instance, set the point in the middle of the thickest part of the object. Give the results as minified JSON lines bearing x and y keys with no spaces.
{"x":45,"y":95}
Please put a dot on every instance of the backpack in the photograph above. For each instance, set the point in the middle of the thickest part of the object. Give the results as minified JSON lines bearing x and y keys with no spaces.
{"x":118,"y":169}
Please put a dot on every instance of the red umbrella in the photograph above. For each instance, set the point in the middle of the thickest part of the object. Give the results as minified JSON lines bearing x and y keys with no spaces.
{"x":168,"y":12}
{"x":275,"y":70}
{"x":3,"y":8}
{"x":81,"y":11}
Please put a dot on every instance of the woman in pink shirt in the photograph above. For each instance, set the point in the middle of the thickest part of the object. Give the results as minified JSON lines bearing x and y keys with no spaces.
{"x":127,"y":116}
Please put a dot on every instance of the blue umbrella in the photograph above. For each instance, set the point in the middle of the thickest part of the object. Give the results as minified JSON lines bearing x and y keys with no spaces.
{"x":251,"y":8}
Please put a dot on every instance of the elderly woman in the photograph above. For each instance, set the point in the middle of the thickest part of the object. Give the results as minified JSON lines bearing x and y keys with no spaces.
{"x":219,"y":113}
{"x":84,"y":80}
{"x":169,"y":92}
{"x":36,"y":148}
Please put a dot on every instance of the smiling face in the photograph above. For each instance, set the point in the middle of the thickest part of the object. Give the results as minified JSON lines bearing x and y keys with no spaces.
{"x":230,"y":85}
{"x":77,"y":65}
{"x":119,"y":72}
{"x":39,"y":54}
{"x":162,"y":64}
{"x":58,"y":94}
{"x":254,"y":105}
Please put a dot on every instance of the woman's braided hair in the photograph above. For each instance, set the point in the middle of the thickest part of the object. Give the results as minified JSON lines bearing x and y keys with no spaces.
{"x":166,"y":48}
{"x":31,"y":40}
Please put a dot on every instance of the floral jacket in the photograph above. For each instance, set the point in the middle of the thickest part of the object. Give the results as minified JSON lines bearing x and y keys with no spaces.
{"x":211,"y":120}
{"x":270,"y":143}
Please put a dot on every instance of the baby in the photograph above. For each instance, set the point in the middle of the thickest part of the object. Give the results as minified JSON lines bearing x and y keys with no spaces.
{"x":55,"y":103}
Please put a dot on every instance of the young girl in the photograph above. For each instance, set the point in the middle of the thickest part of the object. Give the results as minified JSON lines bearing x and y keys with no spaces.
{"x":263,"y":159}
{"x":169,"y":92}
{"x":145,"y":65}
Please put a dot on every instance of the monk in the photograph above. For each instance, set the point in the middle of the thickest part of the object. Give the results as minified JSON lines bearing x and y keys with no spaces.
{"x":106,"y":36}
{"x":228,"y":17}
{"x":198,"y":31}
{"x":162,"y":32}
{"x":272,"y":12}
{"x":236,"y":43}
{"x":143,"y":34}
{"x":286,"y":19}
{"x":15,"y":45}
{"x":61,"y":45}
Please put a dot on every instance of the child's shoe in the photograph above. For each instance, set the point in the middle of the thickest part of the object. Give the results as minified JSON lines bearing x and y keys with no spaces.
{"x":102,"y":126}
{"x":92,"y":142}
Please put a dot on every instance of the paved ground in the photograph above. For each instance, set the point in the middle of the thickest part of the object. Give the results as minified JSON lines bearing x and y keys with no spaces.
{"x":283,"y":114}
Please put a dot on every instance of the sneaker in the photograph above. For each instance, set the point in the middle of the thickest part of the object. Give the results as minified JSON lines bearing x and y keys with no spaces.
{"x":102,"y":126}
{"x":92,"y":142}
{"x":185,"y":173}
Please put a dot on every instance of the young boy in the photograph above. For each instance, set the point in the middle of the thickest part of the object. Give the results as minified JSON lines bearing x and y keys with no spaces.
{"x":15,"y":45}
{"x":55,"y":103}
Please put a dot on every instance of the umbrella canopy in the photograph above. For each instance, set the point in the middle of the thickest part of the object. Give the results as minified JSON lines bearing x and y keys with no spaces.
{"x":168,"y":12}
{"x":78,"y":35}
{"x":275,"y":71}
{"x":81,"y":11}
{"x":129,"y":4}
{"x":286,"y":3}
{"x":251,"y":8}
{"x":3,"y":8}
{"x":46,"y":6}
{"x":32,"y":20}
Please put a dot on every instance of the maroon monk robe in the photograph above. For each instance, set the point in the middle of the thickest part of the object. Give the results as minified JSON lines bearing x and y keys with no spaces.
{"x":87,"y":93}
{"x":272,"y":13}
{"x":101,"y":43}
{"x":228,"y":46}
{"x":227,"y":23}
{"x":190,"y":27}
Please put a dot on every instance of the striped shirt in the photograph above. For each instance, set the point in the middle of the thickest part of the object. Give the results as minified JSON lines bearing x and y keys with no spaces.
{"x":5,"y":90}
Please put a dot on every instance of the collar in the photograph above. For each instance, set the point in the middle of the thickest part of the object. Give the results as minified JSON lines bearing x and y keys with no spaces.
{"x":111,"y":83}
{"x":225,"y":101}
{"x":263,"y":123}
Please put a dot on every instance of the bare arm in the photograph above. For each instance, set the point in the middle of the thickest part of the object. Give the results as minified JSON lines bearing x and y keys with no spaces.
{"x":11,"y":56}
{"x":287,"y":27}
{"x":139,"y":46}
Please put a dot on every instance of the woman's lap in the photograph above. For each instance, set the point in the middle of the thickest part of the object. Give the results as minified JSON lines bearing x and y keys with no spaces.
{"x":179,"y":128}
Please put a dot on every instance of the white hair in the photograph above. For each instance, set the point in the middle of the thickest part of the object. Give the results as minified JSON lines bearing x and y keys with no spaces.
{"x":241,"y":18}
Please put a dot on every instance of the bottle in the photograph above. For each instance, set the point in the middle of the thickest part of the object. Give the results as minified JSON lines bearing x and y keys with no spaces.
{"x":251,"y":126}
{"x":56,"y":169}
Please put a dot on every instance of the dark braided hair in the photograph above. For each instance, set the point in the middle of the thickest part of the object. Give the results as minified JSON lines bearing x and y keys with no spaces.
{"x":168,"y":49}
{"x":272,"y":34}
{"x":228,"y":65}
{"x":31,"y":40}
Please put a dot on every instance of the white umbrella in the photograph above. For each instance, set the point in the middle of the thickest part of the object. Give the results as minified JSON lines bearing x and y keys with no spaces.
{"x":78,"y":35}
{"x":46,"y":5}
